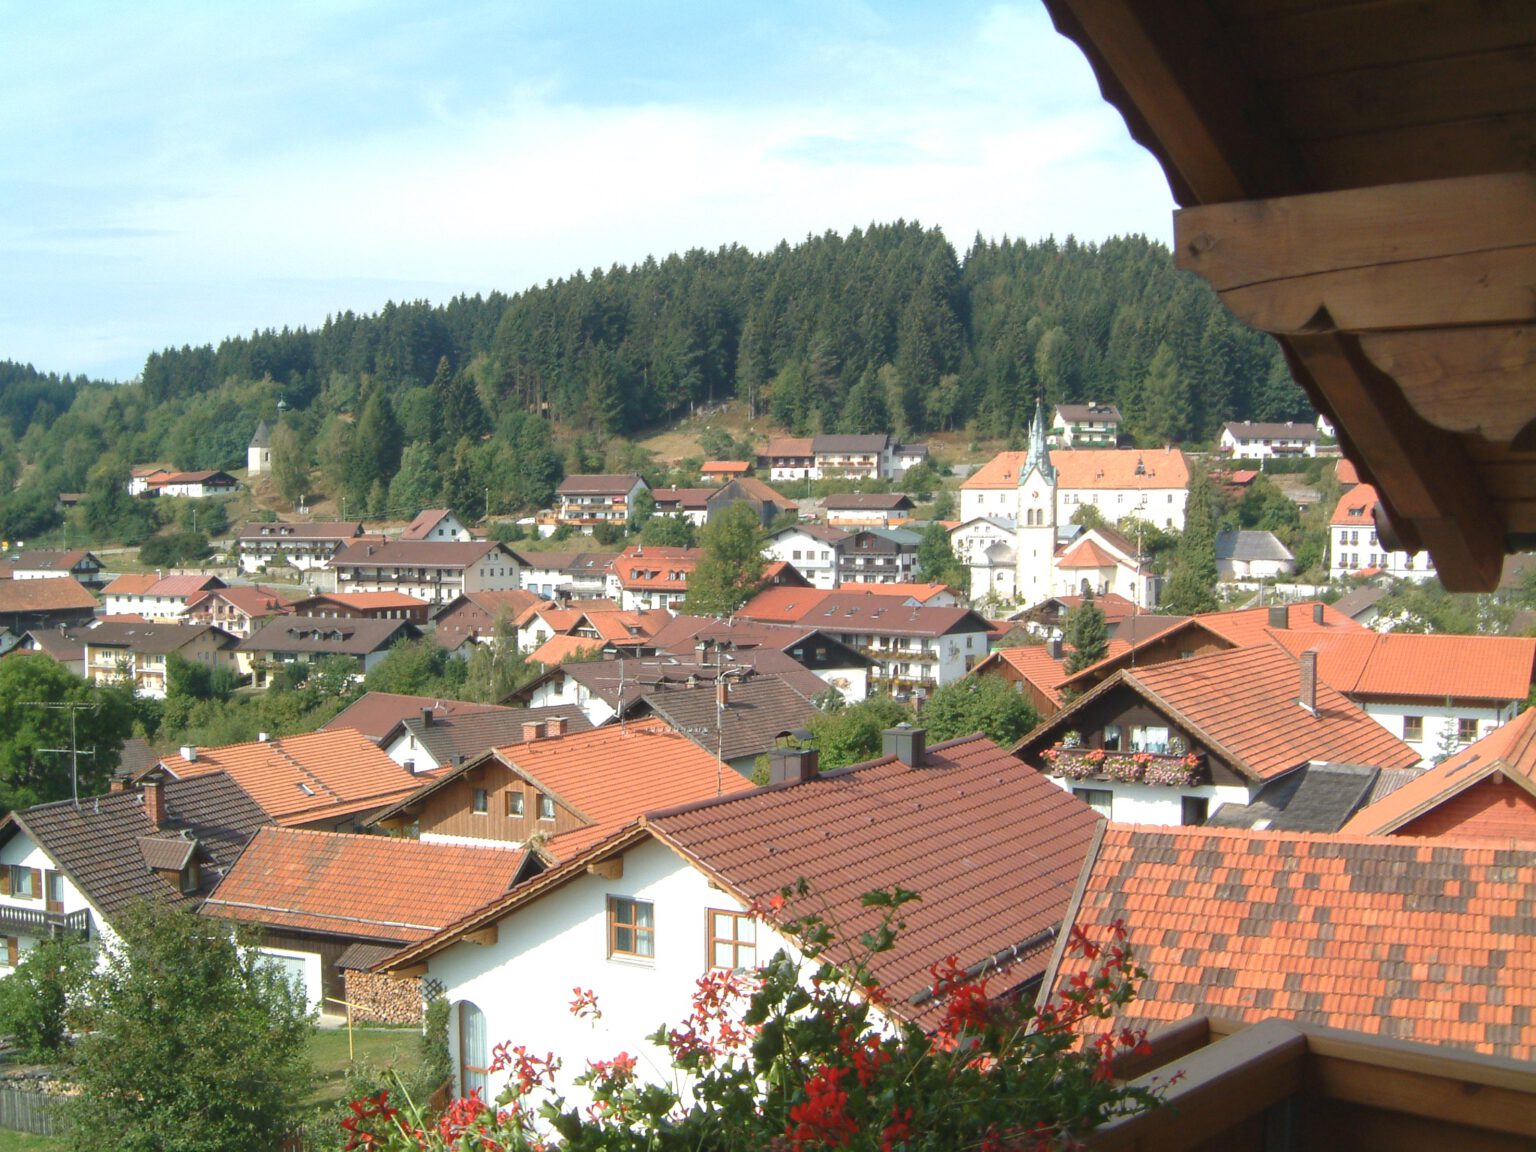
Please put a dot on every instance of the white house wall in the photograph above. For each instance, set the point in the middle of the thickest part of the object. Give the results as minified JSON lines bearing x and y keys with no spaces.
{"x":1438,"y":719}
{"x":20,"y":850}
{"x":1156,"y":804}
{"x":525,"y":981}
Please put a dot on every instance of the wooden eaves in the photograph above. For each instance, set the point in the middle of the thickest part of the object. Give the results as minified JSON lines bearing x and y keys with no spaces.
{"x":1355,"y":178}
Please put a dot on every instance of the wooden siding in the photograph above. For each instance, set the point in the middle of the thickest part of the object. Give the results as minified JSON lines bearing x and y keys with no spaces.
{"x":330,"y":948}
{"x":450,"y":810}
{"x":1489,"y":810}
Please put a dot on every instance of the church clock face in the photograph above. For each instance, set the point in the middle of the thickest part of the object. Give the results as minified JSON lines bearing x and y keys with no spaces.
{"x":1034,"y":495}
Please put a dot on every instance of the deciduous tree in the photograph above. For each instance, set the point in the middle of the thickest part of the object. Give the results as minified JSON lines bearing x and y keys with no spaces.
{"x":986,"y":704}
{"x":29,"y":774}
{"x":730,"y":571}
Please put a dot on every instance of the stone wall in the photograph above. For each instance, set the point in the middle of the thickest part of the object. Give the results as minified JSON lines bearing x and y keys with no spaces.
{"x":378,"y":999}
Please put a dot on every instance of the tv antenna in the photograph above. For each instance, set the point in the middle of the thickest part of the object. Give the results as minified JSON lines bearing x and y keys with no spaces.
{"x":73,"y":707}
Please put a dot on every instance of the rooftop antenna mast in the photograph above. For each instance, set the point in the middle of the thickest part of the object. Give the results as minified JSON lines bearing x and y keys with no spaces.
{"x":73,"y":707}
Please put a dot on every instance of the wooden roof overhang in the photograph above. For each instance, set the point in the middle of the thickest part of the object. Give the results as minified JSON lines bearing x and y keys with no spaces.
{"x":1356,"y":178}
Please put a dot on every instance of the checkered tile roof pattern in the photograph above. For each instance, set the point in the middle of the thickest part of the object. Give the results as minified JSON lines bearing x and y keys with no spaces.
{"x":1408,"y":939}
{"x":375,"y":887}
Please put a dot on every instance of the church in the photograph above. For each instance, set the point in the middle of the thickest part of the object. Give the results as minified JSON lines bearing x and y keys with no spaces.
{"x":1019,"y":549}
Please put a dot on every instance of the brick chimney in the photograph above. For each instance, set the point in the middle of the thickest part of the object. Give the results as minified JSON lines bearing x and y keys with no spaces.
{"x":426,"y":716}
{"x":533,"y":730}
{"x":1279,"y":616}
{"x":1308,"y":697}
{"x":154,"y":802}
{"x":793,"y":765}
{"x":906,"y":743}
{"x":722,"y":692}
{"x":556,"y":725}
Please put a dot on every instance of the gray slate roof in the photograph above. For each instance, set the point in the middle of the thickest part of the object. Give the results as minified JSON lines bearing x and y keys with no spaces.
{"x":452,"y":739}
{"x":757,"y":712}
{"x":1248,"y":545}
{"x":1317,"y":798}
{"x":348,"y":636}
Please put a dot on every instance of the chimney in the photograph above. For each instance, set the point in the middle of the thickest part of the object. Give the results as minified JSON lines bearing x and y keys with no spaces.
{"x":263,"y":737}
{"x":904,"y":742}
{"x":1053,"y":646}
{"x":792,"y":765}
{"x":1279,"y":616}
{"x":555,"y":725}
{"x":533,"y":730}
{"x":1308,"y":697}
{"x":118,"y":785}
{"x":1317,"y":612}
{"x":154,"y":802}
{"x":722,"y":692}
{"x":189,"y":753}
{"x":426,"y":716}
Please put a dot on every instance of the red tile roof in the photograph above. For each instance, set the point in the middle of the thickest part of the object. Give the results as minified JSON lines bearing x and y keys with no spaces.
{"x":372,"y":601}
{"x":656,"y":567}
{"x":59,"y":594}
{"x":303,"y":779}
{"x":377,"y":887}
{"x":1086,"y":555}
{"x":1423,"y":942}
{"x":877,"y":825}
{"x":1249,"y":626}
{"x":559,"y":649}
{"x":782,"y":605}
{"x":1354,"y":507}
{"x":1346,"y":473}
{"x":426,"y":520}
{"x":1035,"y":663}
{"x":252,"y":599}
{"x":1508,"y":753}
{"x":1399,"y":664}
{"x":789,"y":446}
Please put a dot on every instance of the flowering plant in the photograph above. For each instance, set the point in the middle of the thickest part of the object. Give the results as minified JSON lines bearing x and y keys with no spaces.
{"x":812,"y":1055}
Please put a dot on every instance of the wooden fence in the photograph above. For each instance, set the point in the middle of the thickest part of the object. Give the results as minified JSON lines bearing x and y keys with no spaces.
{"x":28,"y":1112}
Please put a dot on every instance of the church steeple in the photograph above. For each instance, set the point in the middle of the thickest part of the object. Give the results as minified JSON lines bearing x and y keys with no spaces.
{"x":1039,"y":455}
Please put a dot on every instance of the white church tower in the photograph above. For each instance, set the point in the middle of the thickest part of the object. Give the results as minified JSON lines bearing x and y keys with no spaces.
{"x":1035,"y":531}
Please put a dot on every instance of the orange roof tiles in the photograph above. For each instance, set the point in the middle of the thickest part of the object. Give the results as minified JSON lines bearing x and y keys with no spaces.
{"x":1087,"y":554}
{"x":1354,"y":507}
{"x":1433,"y":667}
{"x":1508,"y":751}
{"x":1091,"y":468}
{"x":1424,"y":942}
{"x":1035,"y":663}
{"x":783,"y":605}
{"x":1346,"y":473}
{"x":559,"y":649}
{"x":59,"y":594}
{"x":1244,"y":703}
{"x":379,"y":887}
{"x":656,"y":567}
{"x":302,"y":779}
{"x":611,"y":775}
{"x":1250,"y":626}
{"x":131,"y":584}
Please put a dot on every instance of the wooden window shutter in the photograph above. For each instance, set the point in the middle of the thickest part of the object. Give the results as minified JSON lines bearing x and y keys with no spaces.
{"x":37,"y":883}
{"x":12,"y":951}
{"x":5,"y":880}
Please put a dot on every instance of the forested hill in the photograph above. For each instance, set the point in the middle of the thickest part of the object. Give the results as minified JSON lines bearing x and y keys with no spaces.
{"x":885,"y":328}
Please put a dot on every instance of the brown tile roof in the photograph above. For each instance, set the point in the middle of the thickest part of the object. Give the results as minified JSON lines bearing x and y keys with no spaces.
{"x":132,"y":584}
{"x":374,"y":887}
{"x":1346,"y":473}
{"x":1249,"y":626}
{"x":733,"y":466}
{"x":342,"y":635}
{"x":1434,"y":667}
{"x":415,"y":554}
{"x":789,"y":446}
{"x":598,"y":484}
{"x":757,"y":711}
{"x":1508,"y":752}
{"x":1248,"y":430}
{"x":869,"y":501}
{"x":868,"y":611}
{"x":877,"y":825}
{"x":456,"y":737}
{"x":1081,"y":412}
{"x":186,"y":585}
{"x":375,"y":714}
{"x":656,"y":567}
{"x":782,"y":605}
{"x":1086,"y":554}
{"x":695,"y":498}
{"x":1091,"y":468}
{"x":303,"y":779}
{"x":149,"y":639}
{"x":621,"y":626}
{"x":1420,"y":941}
{"x":98,"y":844}
{"x":60,"y":594}
{"x":50,"y":560}
{"x":426,"y":520}
{"x":254,"y":600}
{"x":367,"y":601}
{"x":1035,"y":663}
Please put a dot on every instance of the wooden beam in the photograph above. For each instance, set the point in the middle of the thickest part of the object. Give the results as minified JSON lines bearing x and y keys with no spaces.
{"x":409,"y":972}
{"x":610,"y":869}
{"x":1429,"y":484}
{"x":484,"y":937}
{"x":1428,"y":1094}
{"x":1169,"y":67}
{"x":1468,"y":380}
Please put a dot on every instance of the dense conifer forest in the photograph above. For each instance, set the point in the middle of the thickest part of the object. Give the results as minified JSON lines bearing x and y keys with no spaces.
{"x":885,"y":329}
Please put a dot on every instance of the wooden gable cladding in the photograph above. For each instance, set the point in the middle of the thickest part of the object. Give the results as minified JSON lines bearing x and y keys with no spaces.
{"x":1357,"y":181}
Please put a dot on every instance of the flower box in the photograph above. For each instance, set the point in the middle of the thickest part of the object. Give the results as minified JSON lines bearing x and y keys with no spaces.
{"x":1125,"y":767}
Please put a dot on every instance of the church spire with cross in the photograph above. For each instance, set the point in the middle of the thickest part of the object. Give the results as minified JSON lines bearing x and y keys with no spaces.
{"x":1039,"y":456}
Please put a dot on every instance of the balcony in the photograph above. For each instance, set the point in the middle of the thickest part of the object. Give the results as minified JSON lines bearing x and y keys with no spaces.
{"x":1168,"y":770}
{"x":35,"y":922}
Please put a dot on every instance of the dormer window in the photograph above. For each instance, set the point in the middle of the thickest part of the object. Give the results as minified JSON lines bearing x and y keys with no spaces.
{"x":191,"y":878}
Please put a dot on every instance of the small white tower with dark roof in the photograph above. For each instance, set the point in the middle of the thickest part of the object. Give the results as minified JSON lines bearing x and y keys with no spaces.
{"x":1035,"y":530}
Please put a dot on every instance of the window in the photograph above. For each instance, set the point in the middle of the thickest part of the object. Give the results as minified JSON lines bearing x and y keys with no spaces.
{"x":1195,"y":809}
{"x":631,"y":927}
{"x":514,"y":803}
{"x":24,"y":882}
{"x":12,"y":951}
{"x":191,"y":877}
{"x":54,"y":890}
{"x":474,"y":1051}
{"x":1466,"y":730}
{"x":1101,"y":800}
{"x":1413,"y":728}
{"x":1111,"y":737}
{"x":1149,"y":738}
{"x":482,"y":802}
{"x":546,"y":806}
{"x":732,"y":939}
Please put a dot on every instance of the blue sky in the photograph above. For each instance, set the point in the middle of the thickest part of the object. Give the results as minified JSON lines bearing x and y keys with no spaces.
{"x":177,"y":173}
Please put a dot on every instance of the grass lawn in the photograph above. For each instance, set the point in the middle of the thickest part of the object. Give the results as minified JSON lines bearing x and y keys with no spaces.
{"x":398,"y":1048}
{"x":24,"y":1142}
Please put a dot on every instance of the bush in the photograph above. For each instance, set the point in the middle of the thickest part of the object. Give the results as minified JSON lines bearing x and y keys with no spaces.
{"x":40,"y":1002}
{"x":177,"y":548}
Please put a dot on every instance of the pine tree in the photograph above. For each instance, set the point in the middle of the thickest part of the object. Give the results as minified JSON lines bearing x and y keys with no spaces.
{"x":1191,"y":586}
{"x":1087,"y":634}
